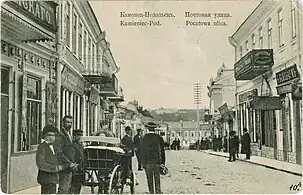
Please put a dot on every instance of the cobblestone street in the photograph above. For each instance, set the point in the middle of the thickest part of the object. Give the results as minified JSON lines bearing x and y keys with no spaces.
{"x":197,"y":172}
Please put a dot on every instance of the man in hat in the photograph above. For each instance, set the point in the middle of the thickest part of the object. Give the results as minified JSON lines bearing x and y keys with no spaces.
{"x":128,"y":146}
{"x":153,"y":158}
{"x":138,"y":142}
{"x":47,"y":163}
{"x":78,"y":174}
{"x":233,"y":146}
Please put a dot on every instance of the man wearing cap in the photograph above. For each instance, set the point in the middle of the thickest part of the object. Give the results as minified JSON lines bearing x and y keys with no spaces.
{"x":47,"y":163}
{"x":128,"y":146}
{"x":78,"y":174}
{"x":138,"y":143}
{"x":153,"y":158}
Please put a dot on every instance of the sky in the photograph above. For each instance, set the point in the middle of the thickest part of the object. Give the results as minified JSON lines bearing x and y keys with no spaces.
{"x":159,"y":65}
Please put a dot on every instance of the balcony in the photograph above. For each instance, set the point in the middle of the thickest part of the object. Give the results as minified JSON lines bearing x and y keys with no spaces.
{"x":109,"y":89}
{"x":119,"y":97}
{"x":253,"y":64}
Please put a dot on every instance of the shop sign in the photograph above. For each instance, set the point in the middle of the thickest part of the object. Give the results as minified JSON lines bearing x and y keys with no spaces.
{"x":72,"y":81}
{"x":223,"y":109}
{"x":248,"y":95}
{"x":284,"y":89}
{"x":94,"y":96}
{"x":287,"y":74}
{"x":41,"y":12}
{"x":297,"y":92}
{"x":266,"y":103}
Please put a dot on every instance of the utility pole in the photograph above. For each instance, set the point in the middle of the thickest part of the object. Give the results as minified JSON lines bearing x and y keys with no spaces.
{"x":197,"y":101}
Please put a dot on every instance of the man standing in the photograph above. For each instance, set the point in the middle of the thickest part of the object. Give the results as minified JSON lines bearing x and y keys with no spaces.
{"x":128,"y":146}
{"x":78,"y":175}
{"x":245,"y":148}
{"x":233,"y":146}
{"x":138,"y":142}
{"x":66,"y":155}
{"x":153,"y":158}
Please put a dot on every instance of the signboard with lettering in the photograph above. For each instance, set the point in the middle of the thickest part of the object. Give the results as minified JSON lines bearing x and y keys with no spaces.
{"x":72,"y":82}
{"x":266,"y":103}
{"x":248,"y":95}
{"x":223,"y":109}
{"x":42,"y":13}
{"x":94,"y":96}
{"x":284,"y":89}
{"x":253,"y":64}
{"x":287,"y":74}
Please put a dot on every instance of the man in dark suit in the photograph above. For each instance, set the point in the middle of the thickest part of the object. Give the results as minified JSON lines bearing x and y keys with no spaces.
{"x":153,"y":158}
{"x":245,"y":147}
{"x":78,"y":175}
{"x":138,"y":142}
{"x":66,"y":156}
{"x":233,"y":146}
{"x":47,"y":163}
{"x":128,"y":146}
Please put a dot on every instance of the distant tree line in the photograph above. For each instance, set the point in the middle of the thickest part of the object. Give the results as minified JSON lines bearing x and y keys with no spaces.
{"x":184,"y":115}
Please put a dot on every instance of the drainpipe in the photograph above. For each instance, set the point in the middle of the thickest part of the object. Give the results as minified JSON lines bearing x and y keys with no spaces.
{"x":59,"y":52}
{"x":233,"y":42}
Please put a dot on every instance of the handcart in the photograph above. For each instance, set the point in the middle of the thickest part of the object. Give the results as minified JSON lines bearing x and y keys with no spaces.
{"x":102,"y":166}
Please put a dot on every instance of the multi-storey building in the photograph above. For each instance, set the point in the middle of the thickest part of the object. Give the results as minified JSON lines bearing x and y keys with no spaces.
{"x":268,"y":56}
{"x":55,"y":61}
{"x":187,"y":132}
{"x":221,"y":91}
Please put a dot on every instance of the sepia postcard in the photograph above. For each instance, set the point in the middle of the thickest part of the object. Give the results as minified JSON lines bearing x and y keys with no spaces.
{"x":151,"y":97}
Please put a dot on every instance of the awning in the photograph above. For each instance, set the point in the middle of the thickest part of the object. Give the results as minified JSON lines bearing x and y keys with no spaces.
{"x":29,"y":20}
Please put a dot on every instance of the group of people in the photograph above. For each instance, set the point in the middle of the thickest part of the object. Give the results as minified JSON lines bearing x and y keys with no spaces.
{"x":234,"y":145}
{"x":150,"y":153}
{"x":60,"y":158}
{"x":176,"y":145}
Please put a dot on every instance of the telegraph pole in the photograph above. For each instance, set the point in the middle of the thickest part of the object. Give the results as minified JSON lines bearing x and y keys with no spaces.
{"x":197,"y":100}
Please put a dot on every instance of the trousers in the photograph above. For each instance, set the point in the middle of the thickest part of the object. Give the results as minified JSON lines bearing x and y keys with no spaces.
{"x":49,"y":188}
{"x":65,"y":182}
{"x":153,"y":178}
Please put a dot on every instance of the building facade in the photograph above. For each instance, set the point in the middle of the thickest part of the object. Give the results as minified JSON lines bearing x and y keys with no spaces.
{"x":268,"y":56}
{"x":221,"y":92}
{"x":28,"y":87}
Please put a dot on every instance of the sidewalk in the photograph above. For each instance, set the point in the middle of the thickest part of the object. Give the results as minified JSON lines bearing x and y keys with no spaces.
{"x":266,"y":162}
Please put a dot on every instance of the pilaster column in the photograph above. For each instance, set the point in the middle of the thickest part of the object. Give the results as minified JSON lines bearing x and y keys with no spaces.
{"x":79,"y":112}
{"x":84,"y":118}
{"x":63,"y":103}
{"x":66,"y":102}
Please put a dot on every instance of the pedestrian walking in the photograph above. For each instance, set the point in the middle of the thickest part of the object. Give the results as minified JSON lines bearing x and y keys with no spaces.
{"x":66,"y":155}
{"x":233,"y":146}
{"x":78,"y":174}
{"x":153,"y":158}
{"x":138,"y":143}
{"x":178,"y":144}
{"x":128,"y":146}
{"x":47,"y":162}
{"x":245,"y":143}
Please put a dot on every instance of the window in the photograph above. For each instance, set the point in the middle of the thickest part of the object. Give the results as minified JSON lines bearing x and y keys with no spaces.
{"x":74,"y":45}
{"x":32,"y":135}
{"x":246,"y":46}
{"x":261,"y":38}
{"x":253,"y":41}
{"x":84,"y":48}
{"x":241,"y":52}
{"x":89,"y":53}
{"x":80,"y":41}
{"x":280,"y":27}
{"x":68,"y":25}
{"x":293,"y":21}
{"x":269,"y":34}
{"x":193,"y":134}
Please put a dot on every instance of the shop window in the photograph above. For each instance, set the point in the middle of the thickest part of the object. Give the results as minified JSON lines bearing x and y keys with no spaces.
{"x":34,"y":104}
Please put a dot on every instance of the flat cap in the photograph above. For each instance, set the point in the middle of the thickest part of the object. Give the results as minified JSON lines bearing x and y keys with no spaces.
{"x":49,"y":128}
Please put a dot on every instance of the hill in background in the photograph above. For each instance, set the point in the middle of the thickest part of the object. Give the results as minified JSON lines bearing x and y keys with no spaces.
{"x":176,"y":115}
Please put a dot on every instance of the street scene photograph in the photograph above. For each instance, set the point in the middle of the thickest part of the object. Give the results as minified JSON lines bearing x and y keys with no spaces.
{"x":151,"y":97}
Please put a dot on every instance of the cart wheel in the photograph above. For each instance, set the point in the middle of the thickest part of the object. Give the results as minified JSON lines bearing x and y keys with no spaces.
{"x":115,"y":185}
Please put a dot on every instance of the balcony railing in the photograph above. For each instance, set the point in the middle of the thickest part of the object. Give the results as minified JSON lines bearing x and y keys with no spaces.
{"x":253,"y":64}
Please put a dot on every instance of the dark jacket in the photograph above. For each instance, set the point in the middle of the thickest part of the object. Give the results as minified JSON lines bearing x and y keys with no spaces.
{"x":66,"y":154}
{"x":245,"y":148}
{"x":153,"y":149}
{"x":234,"y":144}
{"x":138,"y":142}
{"x":128,"y":145}
{"x":47,"y":164}
{"x":79,"y":159}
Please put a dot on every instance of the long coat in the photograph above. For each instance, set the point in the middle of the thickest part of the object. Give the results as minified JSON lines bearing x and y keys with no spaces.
{"x":66,"y":154}
{"x":138,"y":143}
{"x":47,"y":164}
{"x":233,"y":144}
{"x":245,"y":148}
{"x":153,"y":149}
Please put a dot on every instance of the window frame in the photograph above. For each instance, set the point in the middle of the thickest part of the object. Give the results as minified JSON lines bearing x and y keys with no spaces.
{"x":261,"y":40}
{"x":293,"y":21}
{"x":280,"y":28}
{"x":269,"y":33}
{"x":68,"y":26}
{"x":253,"y":41}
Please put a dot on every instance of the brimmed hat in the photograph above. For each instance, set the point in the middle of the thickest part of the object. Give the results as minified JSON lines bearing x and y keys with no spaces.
{"x":151,"y":125}
{"x":138,"y":130}
{"x":127,"y":128}
{"x":78,"y":132}
{"x":49,"y":128}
